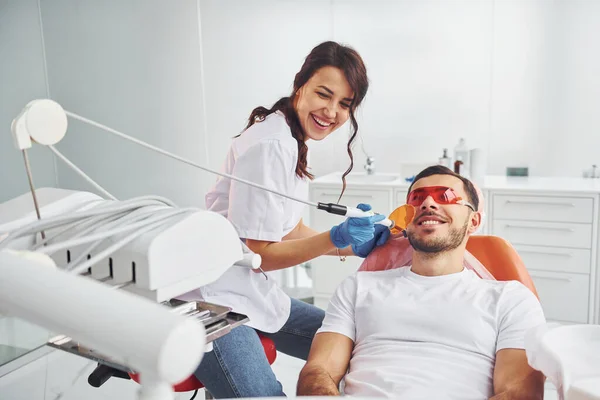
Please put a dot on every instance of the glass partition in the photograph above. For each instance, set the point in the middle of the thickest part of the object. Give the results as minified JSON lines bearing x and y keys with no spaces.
{"x":18,"y":337}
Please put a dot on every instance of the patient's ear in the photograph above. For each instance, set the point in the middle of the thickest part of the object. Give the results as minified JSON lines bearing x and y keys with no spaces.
{"x":474,"y":222}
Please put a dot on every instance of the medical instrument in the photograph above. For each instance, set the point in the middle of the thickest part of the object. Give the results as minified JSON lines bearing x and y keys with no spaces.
{"x":403,"y":216}
{"x":184,"y":250}
{"x":190,"y":250}
{"x":352,"y":212}
{"x":41,"y":110}
{"x":440,"y":194}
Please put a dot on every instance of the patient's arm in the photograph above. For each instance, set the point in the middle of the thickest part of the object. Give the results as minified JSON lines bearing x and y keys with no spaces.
{"x":327,"y":363}
{"x":514,"y":379}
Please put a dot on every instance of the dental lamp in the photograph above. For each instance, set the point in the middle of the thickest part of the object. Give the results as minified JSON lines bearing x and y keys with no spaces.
{"x":106,"y":274}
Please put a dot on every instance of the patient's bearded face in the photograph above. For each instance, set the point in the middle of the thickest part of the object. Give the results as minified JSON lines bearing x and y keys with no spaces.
{"x":439,"y":228}
{"x":438,"y":243}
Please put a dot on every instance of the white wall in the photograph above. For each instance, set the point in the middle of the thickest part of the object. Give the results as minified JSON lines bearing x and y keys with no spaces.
{"x":136,"y":67}
{"x":515,"y":77}
{"x":580,"y":83}
{"x":252,"y":50}
{"x":429,"y":75}
{"x":22,"y":79}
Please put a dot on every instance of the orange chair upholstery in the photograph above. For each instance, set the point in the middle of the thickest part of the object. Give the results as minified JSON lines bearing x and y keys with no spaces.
{"x":192,"y":383}
{"x":500,"y":259}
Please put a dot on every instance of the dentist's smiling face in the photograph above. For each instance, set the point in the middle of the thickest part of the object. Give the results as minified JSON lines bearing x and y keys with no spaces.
{"x":323,"y":104}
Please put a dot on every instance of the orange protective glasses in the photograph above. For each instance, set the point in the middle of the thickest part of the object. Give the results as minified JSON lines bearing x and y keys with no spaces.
{"x":440,"y":194}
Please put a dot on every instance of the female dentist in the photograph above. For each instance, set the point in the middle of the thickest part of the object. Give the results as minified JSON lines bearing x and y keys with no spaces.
{"x":272,"y":151}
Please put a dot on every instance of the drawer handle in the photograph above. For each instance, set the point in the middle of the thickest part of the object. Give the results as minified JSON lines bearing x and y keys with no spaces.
{"x":548,"y":228}
{"x":553,"y":278}
{"x":542,"y":203}
{"x":568,"y":255}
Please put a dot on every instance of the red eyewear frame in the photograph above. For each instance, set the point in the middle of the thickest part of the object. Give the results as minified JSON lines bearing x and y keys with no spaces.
{"x":440,"y":194}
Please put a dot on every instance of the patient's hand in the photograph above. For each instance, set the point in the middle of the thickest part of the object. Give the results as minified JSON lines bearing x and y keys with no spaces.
{"x":514,"y":379}
{"x":326,"y":365}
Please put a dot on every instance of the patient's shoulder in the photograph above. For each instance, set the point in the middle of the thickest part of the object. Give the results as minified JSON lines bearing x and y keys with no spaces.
{"x":516,"y":290}
{"x":507,"y":287}
{"x":510,"y":295}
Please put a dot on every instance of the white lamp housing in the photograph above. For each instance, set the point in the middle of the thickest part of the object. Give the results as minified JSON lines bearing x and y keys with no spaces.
{"x":163,"y":263}
{"x":164,"y":347}
{"x":42,"y":120}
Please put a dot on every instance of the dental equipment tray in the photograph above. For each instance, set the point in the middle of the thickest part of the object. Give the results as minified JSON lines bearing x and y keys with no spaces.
{"x":217,"y":320}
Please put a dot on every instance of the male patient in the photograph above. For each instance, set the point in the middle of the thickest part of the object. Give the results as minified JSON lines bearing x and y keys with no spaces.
{"x":433,"y":330}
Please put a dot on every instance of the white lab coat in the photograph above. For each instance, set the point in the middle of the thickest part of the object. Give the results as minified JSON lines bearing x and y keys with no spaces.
{"x":266,"y":154}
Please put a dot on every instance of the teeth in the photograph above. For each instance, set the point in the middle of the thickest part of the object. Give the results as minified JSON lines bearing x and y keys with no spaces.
{"x":430,"y":222}
{"x":321,"y":122}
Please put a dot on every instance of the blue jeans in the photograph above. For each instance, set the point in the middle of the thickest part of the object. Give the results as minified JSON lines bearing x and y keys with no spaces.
{"x":238,"y":366}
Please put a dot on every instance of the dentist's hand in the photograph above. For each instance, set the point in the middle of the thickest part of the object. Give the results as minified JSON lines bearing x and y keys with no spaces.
{"x":382,"y":234}
{"x":355,"y":231}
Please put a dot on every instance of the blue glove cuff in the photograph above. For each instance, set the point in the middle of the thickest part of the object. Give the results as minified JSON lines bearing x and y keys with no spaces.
{"x":356,"y":251}
{"x":337,"y":238}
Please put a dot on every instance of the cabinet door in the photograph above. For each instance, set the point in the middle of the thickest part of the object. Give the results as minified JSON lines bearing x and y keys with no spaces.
{"x":544,"y":258}
{"x":542,"y":208}
{"x":564,"y":297}
{"x":537,"y":233}
{"x":328,"y":271}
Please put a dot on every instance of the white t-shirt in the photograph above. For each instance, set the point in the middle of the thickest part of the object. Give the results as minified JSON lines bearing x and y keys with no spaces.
{"x":266,"y":154}
{"x":418,"y":337}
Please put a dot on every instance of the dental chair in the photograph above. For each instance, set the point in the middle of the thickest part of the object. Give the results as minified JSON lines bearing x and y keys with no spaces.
{"x":500,"y":259}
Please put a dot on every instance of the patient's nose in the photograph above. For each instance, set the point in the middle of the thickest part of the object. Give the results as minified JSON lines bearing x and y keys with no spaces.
{"x":429,"y":203}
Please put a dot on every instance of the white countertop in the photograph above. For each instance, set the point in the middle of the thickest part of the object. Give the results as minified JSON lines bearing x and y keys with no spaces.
{"x":492,"y":182}
{"x":542,"y":184}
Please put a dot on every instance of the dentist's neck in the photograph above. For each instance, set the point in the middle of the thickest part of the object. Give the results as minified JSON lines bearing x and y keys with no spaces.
{"x":435,"y":264}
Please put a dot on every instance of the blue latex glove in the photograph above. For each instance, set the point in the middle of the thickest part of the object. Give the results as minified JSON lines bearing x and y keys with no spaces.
{"x":382,"y":234}
{"x":355,"y":231}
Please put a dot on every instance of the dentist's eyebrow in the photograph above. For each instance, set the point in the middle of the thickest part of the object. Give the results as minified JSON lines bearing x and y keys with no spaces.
{"x":331,"y":93}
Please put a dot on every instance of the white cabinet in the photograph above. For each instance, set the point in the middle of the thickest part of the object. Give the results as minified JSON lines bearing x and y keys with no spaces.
{"x":555,"y":235}
{"x":544,"y":208}
{"x":564,"y":296}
